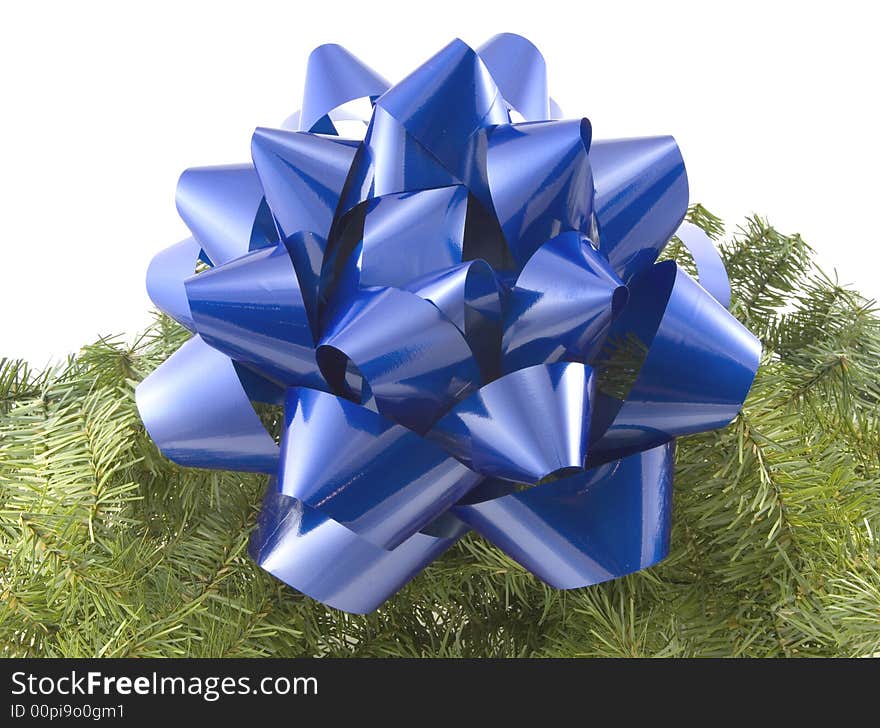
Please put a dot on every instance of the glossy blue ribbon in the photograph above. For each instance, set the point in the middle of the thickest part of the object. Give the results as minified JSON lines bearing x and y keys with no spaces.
{"x":434,"y":305}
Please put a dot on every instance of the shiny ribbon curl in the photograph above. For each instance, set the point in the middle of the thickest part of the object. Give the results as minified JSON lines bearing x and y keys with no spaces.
{"x":429,"y":303}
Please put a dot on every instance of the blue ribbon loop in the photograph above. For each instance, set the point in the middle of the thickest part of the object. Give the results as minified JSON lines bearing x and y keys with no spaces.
{"x":410,"y":234}
{"x":444,"y":308}
{"x":415,"y":363}
{"x":334,"y":77}
{"x":211,"y":423}
{"x":166,"y":275}
{"x":562,"y":305}
{"x":225,"y":210}
{"x":299,"y":545}
{"x":584,"y":529}
{"x":519,"y":70}
{"x":541,"y":181}
{"x":699,"y":366}
{"x":710,"y":267}
{"x":252,"y":310}
{"x":640,"y":197}
{"x":303,"y":176}
{"x":495,"y":431}
{"x":352,"y":484}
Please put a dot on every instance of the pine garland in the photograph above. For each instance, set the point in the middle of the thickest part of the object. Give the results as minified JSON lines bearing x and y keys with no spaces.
{"x":107,"y":549}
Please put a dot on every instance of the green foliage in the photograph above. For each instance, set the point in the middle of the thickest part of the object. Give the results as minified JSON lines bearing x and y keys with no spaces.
{"x":108,"y":549}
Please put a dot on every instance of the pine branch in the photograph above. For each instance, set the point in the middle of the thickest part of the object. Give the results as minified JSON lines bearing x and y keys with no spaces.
{"x":107,"y":548}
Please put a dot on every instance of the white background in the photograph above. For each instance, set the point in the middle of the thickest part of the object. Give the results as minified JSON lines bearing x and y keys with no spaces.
{"x":104,"y":104}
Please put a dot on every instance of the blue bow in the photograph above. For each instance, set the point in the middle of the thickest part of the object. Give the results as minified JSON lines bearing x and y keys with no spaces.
{"x":442,"y":307}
